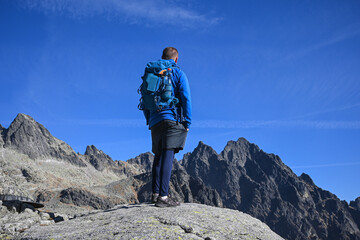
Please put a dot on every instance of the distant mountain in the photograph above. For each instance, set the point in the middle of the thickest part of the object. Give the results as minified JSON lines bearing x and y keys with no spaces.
{"x":261,"y":185}
{"x":241,"y":177}
{"x":31,"y":138}
{"x":98,"y":158}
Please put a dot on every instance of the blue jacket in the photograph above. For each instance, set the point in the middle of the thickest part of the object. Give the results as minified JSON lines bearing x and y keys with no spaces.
{"x":182,"y":92}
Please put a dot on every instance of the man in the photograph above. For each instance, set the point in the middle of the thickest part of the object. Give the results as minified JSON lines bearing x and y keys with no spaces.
{"x":169,"y":128}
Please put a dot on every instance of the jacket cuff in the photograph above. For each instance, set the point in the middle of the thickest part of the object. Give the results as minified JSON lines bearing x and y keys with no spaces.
{"x":186,"y":124}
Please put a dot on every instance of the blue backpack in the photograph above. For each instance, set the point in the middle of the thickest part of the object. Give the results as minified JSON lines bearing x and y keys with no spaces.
{"x":156,"y":90}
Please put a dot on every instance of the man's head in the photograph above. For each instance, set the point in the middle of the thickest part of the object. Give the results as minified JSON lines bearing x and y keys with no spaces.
{"x":170,"y":53}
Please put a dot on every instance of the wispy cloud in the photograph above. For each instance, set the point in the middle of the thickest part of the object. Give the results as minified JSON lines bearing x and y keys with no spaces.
{"x":105,"y":122}
{"x":337,"y":109}
{"x":343,"y":35}
{"x":338,"y":36}
{"x":277,"y":123}
{"x":327,"y":165}
{"x":135,"y":11}
{"x":220,"y":123}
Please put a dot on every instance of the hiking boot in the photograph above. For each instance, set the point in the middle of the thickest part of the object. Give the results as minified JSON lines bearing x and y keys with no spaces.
{"x":168,"y":202}
{"x":154,"y":197}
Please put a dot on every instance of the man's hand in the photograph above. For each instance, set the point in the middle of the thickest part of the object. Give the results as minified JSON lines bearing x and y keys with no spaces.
{"x":187,"y":129}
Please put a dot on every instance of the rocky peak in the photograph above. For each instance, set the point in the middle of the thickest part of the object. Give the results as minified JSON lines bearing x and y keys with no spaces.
{"x":356,"y":204}
{"x":31,"y":138}
{"x":203,"y":147}
{"x":201,"y":153}
{"x":306,"y":178}
{"x":238,"y":152}
{"x":98,"y":158}
{"x":144,"y":159}
{"x":143,"y":162}
{"x":198,"y":162}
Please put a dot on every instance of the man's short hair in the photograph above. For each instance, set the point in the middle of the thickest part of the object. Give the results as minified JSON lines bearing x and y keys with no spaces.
{"x":170,"y":53}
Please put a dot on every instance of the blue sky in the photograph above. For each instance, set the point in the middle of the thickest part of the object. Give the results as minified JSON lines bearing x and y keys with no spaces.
{"x":282,"y":74}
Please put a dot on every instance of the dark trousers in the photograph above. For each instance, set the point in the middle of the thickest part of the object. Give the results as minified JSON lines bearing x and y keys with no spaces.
{"x":161,"y":172}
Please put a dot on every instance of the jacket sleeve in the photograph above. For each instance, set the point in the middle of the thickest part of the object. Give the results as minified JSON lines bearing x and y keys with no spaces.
{"x":147,"y":116}
{"x":185,"y":99}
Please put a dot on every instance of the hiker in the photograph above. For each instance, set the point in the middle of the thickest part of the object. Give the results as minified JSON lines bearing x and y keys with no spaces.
{"x":168,"y":114}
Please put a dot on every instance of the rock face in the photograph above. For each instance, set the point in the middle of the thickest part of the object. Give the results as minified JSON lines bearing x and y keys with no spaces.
{"x":137,"y":165}
{"x":143,"y":162}
{"x":31,"y":138}
{"x":81,"y":197}
{"x":356,"y":204}
{"x":188,"y":221}
{"x":2,"y":131}
{"x":354,"y":209}
{"x":98,"y":158}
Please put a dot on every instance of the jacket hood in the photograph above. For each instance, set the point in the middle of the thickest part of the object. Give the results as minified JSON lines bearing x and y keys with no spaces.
{"x":157,"y":66}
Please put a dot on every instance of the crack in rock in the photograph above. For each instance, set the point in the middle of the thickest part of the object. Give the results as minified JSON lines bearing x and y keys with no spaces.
{"x":187,"y":229}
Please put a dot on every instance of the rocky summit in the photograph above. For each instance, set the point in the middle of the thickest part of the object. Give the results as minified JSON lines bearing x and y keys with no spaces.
{"x":91,"y":189}
{"x":145,"y":221}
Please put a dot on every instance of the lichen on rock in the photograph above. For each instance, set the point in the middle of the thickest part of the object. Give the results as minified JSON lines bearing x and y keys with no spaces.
{"x":144,"y":221}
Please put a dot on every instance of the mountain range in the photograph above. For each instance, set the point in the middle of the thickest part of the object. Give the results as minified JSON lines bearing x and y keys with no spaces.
{"x":35,"y":164}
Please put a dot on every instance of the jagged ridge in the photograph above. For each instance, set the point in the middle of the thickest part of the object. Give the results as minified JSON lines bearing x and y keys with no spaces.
{"x":241,"y":177}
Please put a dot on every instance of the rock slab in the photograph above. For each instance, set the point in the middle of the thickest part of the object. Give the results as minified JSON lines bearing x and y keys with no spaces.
{"x":145,"y":221}
{"x":17,"y":216}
